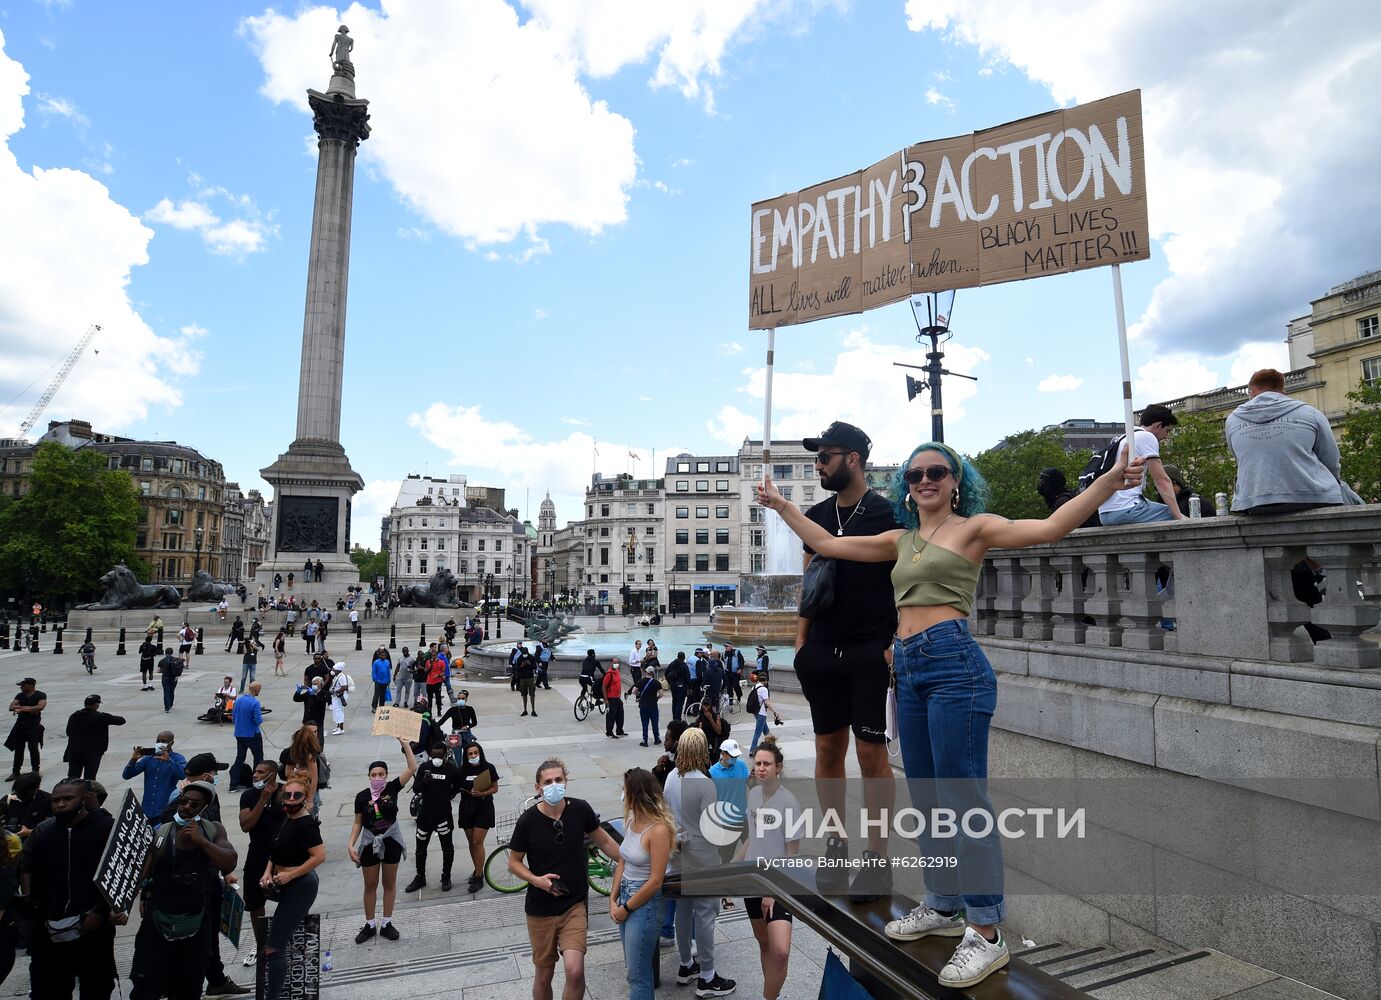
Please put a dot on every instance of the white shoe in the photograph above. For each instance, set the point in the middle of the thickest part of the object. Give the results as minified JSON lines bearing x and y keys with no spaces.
{"x":337,"y":731}
{"x":974,"y":960}
{"x":251,"y":958}
{"x":923,"y":921}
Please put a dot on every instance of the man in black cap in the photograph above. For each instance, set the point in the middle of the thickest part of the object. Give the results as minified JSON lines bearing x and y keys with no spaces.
{"x":27,"y":709}
{"x":841,"y":655}
{"x":88,"y":738}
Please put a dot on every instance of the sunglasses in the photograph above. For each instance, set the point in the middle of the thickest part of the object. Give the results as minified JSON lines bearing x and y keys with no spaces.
{"x":183,"y":800}
{"x":560,"y":829}
{"x":935,"y":473}
{"x":823,"y":458}
{"x":293,"y":796}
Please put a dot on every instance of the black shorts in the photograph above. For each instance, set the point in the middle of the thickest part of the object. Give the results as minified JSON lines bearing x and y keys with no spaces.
{"x":753,"y":906}
{"x":434,"y":822}
{"x":846,"y":686}
{"x":476,"y":814}
{"x":256,"y":861}
{"x":393,"y":853}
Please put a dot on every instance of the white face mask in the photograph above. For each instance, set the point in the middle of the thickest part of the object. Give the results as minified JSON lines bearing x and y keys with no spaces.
{"x":472,"y":760}
{"x":259,"y":785}
{"x":438,"y":761}
{"x":159,"y":748}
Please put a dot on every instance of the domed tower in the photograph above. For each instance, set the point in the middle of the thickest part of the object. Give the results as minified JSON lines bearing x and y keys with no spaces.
{"x":546,"y":522}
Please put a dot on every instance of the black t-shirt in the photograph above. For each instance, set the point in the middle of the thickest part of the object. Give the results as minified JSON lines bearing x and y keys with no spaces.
{"x":29,"y":720}
{"x":294,"y":841}
{"x":19,"y":813}
{"x":381,"y":813}
{"x":147,"y":652}
{"x":647,"y":692}
{"x":525,"y":668}
{"x":864,"y":605}
{"x":315,"y":669}
{"x":270,"y":820}
{"x":437,"y":786}
{"x":534,"y":835}
{"x":459,"y":716}
{"x":469,"y":772}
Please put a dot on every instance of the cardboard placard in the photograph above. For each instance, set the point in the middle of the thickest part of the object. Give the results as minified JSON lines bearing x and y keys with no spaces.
{"x":397,"y":721}
{"x":1057,"y":192}
{"x":126,"y":850}
{"x":232,"y":915}
{"x":304,"y":963}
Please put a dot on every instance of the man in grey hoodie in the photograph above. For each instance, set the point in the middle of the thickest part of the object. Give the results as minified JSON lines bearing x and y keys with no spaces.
{"x":1287,"y":458}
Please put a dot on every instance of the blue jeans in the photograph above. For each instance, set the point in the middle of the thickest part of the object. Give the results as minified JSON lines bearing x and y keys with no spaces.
{"x":294,"y":903}
{"x":651,"y":715}
{"x":946,"y":694}
{"x":169,"y":687}
{"x":639,"y":936}
{"x":252,"y":746}
{"x":759,"y":731}
{"x":247,"y":677}
{"x":668,"y":917}
{"x":1142,"y":512}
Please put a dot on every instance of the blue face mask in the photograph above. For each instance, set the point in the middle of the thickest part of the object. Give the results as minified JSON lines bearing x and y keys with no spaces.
{"x":553,"y":794}
{"x":461,"y":702}
{"x":177,"y":818}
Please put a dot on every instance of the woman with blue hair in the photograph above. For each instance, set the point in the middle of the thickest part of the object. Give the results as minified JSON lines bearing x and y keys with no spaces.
{"x":946,"y":690}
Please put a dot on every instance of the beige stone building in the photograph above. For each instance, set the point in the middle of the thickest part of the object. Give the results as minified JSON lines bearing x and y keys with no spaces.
{"x":703,"y":530}
{"x":624,"y":548}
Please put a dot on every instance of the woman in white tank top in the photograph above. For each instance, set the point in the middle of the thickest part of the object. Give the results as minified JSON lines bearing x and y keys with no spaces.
{"x":649,"y":830}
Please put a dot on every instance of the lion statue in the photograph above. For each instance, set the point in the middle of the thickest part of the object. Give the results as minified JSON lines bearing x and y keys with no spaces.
{"x":439,"y":592}
{"x":203,"y":588}
{"x":123,"y":591}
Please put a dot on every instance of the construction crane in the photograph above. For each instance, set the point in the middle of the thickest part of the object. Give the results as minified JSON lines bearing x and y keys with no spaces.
{"x":56,"y":384}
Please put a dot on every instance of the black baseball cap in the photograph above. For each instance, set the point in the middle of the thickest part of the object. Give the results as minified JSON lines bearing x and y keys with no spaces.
{"x":842,"y":435}
{"x":26,"y":680}
{"x":204,"y":763}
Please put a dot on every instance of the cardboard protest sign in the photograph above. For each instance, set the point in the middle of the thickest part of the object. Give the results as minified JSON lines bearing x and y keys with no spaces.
{"x":394,"y":720}
{"x":1057,"y":192}
{"x":232,"y":915}
{"x":126,"y":849}
{"x":304,"y":963}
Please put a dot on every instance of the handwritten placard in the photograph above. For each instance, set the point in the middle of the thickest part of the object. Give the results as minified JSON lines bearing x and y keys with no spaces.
{"x":393,"y":720}
{"x":304,"y":963}
{"x":1058,"y":192}
{"x":126,"y":849}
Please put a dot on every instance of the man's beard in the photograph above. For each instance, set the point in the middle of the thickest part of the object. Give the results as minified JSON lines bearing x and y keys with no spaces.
{"x":836,"y":481}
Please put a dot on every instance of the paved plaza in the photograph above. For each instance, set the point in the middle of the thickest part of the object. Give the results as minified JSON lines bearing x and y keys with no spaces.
{"x":451,"y":942}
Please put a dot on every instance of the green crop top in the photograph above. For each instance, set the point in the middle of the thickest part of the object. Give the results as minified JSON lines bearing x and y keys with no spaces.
{"x":940,"y":577}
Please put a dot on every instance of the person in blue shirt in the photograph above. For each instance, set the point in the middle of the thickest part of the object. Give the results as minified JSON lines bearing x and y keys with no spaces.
{"x":381,"y":673}
{"x":730,"y":777}
{"x":445,"y":653}
{"x":248,"y":716}
{"x":543,"y":665}
{"x":162,"y":770}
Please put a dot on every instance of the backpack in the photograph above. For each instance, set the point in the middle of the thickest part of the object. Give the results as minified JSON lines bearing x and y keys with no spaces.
{"x":754,"y":703}
{"x":1101,"y":462}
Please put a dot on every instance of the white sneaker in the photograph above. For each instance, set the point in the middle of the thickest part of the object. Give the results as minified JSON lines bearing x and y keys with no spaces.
{"x":974,"y":960}
{"x":923,"y":921}
{"x":337,"y":731}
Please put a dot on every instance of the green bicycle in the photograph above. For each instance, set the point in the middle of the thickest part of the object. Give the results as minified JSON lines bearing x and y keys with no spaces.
{"x":599,"y":867}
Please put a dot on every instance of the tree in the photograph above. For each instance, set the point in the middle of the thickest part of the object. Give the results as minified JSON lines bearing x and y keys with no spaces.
{"x":1200,"y":451}
{"x":1013,"y":467}
{"x":371,"y":564}
{"x":76,"y":521}
{"x":1360,"y":443}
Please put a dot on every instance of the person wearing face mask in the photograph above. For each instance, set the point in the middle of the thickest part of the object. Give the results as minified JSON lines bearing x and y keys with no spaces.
{"x":261,"y":816}
{"x":479,"y":782}
{"x":462,"y":717}
{"x":438,"y":781}
{"x":314,"y":700}
{"x":296,"y":853}
{"x":547,"y":851}
{"x":205,"y":768}
{"x":179,"y":900}
{"x":73,"y":937}
{"x":162,"y":770}
{"x":376,"y":841}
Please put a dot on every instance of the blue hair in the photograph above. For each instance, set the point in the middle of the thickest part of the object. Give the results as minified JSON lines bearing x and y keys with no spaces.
{"x":973,"y":488}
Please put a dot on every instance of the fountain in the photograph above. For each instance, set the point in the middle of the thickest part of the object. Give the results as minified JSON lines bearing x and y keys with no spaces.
{"x":766,"y":612}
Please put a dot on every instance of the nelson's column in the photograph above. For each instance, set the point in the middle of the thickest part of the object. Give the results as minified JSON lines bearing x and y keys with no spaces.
{"x":313,"y":481}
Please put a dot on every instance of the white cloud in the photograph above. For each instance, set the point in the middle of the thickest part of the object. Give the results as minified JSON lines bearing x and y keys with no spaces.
{"x":732,"y":347}
{"x":524,"y":144}
{"x":1260,"y":140}
{"x":575,"y":421}
{"x":234,"y":237}
{"x":368,"y":507}
{"x":1059,"y":383}
{"x":682,"y":162}
{"x":1254,"y":356}
{"x":862,"y":388}
{"x":939,"y":100}
{"x":80,"y":247}
{"x":941,"y":76}
{"x":414,"y":233}
{"x":644,"y":399}
{"x":1030,"y":362}
{"x":50,"y":105}
{"x":1172,"y":377}
{"x":540,"y":313}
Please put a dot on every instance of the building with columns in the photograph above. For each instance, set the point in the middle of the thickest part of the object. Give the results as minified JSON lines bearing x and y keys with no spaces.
{"x":704,"y":556}
{"x":233,"y":534}
{"x":431,"y":531}
{"x":257,"y":518}
{"x":624,"y":548}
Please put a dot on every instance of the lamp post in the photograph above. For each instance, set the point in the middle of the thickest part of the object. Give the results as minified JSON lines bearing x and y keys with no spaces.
{"x":196,"y":560}
{"x":939,"y":310}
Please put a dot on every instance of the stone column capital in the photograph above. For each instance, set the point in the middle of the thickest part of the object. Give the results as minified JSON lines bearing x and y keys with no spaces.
{"x":339,"y":118}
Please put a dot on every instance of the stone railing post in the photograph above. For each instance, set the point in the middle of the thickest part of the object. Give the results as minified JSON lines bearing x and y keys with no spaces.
{"x":1344,"y":611}
{"x":1011,"y":588}
{"x":1285,"y":613}
{"x":1140,"y":603}
{"x":1068,"y":602}
{"x":1037,"y":606}
{"x":985,"y":601}
{"x":1104,"y":601}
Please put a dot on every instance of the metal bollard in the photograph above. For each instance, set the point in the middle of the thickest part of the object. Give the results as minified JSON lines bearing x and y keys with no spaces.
{"x":33,"y":638}
{"x":422,"y":638}
{"x":392,"y":636}
{"x":4,"y":633}
{"x":201,"y":634}
{"x":57,"y":643}
{"x":120,"y":649}
{"x":160,"y":636}
{"x":359,"y":638}
{"x":88,"y":633}
{"x":239,"y":647}
{"x":43,"y":621}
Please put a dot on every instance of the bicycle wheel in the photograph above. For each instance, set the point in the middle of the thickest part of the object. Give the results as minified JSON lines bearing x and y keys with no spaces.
{"x":599,"y":871}
{"x":496,"y":872}
{"x":728,"y":707}
{"x":581,"y":709}
{"x":600,"y":705}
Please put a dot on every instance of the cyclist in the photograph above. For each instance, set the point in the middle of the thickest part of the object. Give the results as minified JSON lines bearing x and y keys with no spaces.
{"x":479,"y":782}
{"x":376,"y":841}
{"x":438,"y":781}
{"x":591,"y":672}
{"x":88,"y":651}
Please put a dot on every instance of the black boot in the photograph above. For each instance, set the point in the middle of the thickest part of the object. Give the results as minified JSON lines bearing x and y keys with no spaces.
{"x":419,"y":881}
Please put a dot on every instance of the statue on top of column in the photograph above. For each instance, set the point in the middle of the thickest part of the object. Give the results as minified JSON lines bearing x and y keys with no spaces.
{"x":340,"y":48}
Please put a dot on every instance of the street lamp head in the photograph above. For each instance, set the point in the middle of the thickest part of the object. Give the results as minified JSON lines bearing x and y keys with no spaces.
{"x":933,"y":312}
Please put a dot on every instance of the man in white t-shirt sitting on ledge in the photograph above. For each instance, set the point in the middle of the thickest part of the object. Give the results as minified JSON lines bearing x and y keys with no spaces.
{"x":1130,"y":506}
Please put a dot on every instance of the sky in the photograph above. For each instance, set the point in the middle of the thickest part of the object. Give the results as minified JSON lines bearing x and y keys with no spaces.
{"x":551,"y":218}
